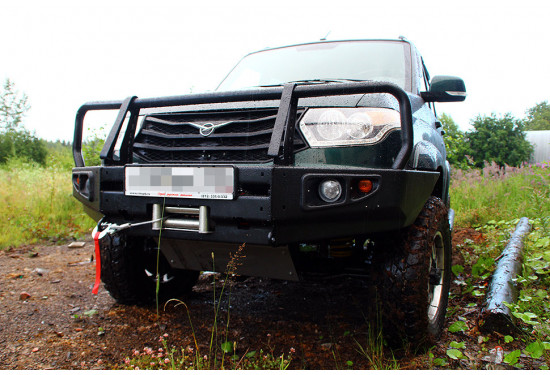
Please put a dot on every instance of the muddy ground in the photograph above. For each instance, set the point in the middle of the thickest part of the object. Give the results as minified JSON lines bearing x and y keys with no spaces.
{"x":49,"y":319}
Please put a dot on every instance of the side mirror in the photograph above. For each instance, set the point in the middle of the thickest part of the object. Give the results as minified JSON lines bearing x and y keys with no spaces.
{"x":445,"y":89}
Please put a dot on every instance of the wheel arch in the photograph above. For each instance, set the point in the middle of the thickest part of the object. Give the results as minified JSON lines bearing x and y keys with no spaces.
{"x":426,"y":156}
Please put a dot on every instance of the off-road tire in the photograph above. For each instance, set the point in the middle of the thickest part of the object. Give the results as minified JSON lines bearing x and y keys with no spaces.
{"x":128,"y":271}
{"x":411,"y":265}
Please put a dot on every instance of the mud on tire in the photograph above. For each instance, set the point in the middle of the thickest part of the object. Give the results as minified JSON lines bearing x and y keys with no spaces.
{"x":128,"y":271}
{"x":414,"y":278}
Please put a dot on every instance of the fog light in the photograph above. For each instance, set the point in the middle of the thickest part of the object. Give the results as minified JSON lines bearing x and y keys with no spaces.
{"x":330,"y":190}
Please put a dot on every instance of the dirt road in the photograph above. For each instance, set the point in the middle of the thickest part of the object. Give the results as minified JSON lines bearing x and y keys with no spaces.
{"x":49,"y":319}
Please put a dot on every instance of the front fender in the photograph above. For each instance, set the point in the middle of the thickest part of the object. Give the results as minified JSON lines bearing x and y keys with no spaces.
{"x":427,"y":157}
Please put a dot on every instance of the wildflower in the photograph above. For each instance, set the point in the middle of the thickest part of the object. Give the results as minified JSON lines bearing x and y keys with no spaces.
{"x":166,"y":360}
{"x":292,"y":350}
{"x":205,"y":357}
{"x":148,"y":350}
{"x":152,"y":364}
{"x":127,"y":361}
{"x":269,"y":335}
{"x":161,"y":350}
{"x":165,"y":335}
{"x":99,"y":361}
{"x":136,"y":352}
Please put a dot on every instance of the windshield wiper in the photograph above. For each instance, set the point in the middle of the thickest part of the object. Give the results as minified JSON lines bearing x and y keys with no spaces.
{"x":340,"y":80}
{"x":319,"y":81}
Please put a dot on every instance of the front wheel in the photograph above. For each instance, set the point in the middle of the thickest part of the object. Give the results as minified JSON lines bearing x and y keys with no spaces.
{"x":129,"y":271}
{"x":414,"y":278}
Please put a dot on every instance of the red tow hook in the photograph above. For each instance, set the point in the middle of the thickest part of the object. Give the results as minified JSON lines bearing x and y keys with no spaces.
{"x":97,"y":263}
{"x":97,"y":234}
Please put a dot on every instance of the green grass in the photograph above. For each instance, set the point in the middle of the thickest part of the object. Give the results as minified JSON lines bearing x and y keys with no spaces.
{"x":531,"y":340}
{"x":479,"y":196}
{"x":375,"y":352}
{"x":491,"y":201}
{"x":168,"y":357}
{"x":36,"y":204}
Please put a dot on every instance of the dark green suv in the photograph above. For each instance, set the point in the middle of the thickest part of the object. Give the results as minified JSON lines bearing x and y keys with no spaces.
{"x":322,"y":158}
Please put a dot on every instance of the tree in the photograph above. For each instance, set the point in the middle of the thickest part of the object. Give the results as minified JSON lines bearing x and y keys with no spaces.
{"x":498,"y":139}
{"x":27,"y":146}
{"x":6,"y":148}
{"x":15,"y":140}
{"x":455,"y":143}
{"x":93,"y":144}
{"x":538,"y":117}
{"x":13,"y":107}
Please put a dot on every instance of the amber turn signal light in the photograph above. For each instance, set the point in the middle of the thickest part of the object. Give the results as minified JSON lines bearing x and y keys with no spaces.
{"x":365,"y":186}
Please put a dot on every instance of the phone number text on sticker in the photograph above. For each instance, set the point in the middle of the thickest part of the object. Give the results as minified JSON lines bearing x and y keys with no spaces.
{"x":180,"y":182}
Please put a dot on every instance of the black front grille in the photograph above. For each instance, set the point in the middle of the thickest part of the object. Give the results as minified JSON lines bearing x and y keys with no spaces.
{"x":236,"y":136}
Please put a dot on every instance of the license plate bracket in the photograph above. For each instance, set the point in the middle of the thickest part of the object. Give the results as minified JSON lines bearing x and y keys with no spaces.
{"x":180,"y":182}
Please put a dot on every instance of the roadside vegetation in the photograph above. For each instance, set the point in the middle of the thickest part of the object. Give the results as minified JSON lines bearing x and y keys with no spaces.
{"x":500,"y":193}
{"x":466,"y":345}
{"x":490,"y":202}
{"x":36,"y":202}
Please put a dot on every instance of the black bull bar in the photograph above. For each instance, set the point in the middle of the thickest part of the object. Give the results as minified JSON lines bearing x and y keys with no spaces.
{"x":281,"y":144}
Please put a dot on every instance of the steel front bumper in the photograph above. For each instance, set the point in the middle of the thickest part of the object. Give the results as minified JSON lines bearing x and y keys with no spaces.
{"x":273,"y":205}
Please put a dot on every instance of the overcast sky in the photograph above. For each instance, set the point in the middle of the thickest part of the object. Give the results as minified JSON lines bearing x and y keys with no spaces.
{"x":64,"y":53}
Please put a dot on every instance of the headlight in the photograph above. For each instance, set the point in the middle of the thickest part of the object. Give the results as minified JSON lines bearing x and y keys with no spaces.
{"x":329,"y":127}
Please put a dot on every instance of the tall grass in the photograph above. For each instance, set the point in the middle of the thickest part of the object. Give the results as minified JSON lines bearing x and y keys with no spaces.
{"x":36,"y":203}
{"x":493,"y":193}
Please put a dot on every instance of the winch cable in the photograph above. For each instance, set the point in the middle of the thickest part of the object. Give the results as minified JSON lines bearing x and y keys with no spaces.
{"x":98,"y":234}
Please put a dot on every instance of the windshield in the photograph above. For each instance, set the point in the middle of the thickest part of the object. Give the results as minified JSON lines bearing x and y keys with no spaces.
{"x":351,"y":60}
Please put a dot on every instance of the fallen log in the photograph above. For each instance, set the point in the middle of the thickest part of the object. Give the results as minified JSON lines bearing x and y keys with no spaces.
{"x":496,"y":316}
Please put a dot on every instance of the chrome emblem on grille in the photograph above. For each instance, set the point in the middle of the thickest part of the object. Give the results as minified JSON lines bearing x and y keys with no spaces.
{"x":206,"y":129}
